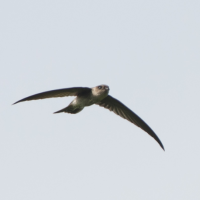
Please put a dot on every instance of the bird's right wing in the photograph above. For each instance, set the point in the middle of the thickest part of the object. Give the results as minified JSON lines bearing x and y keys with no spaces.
{"x":120,"y":109}
{"x":57,"y":93}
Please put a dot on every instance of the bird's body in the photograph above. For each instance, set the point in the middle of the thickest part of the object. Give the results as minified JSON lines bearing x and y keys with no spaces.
{"x":97,"y":95}
{"x":86,"y":98}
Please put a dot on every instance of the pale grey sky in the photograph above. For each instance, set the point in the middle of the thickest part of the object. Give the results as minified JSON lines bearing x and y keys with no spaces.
{"x":148,"y":52}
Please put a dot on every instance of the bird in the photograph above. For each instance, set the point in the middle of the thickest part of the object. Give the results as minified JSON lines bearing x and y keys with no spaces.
{"x":98,"y":95}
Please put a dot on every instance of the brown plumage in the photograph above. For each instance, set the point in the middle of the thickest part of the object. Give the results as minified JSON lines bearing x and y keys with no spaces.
{"x":97,"y":95}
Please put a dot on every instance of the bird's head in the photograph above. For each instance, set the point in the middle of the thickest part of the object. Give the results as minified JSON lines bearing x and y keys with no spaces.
{"x":100,"y":91}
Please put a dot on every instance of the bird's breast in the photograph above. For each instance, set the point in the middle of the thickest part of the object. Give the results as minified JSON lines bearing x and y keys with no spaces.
{"x":82,"y":101}
{"x":87,"y":100}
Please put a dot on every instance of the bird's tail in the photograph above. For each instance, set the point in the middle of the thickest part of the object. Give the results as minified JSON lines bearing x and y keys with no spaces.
{"x":69,"y":109}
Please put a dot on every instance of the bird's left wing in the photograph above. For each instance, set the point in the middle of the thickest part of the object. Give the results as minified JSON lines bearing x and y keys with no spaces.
{"x":57,"y":93}
{"x":120,"y":109}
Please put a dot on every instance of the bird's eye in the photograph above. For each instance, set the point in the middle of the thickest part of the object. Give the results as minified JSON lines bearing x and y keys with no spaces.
{"x":99,"y":87}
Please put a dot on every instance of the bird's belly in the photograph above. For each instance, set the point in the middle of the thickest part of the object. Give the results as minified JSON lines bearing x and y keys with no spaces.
{"x":93,"y":99}
{"x":82,"y":102}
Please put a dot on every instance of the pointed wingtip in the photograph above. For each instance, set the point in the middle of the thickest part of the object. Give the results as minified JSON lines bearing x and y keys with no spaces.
{"x":159,"y":142}
{"x":162,"y":146}
{"x":17,"y":102}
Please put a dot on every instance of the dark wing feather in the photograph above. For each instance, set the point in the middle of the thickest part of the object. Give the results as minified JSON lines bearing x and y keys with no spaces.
{"x":57,"y":93}
{"x":120,"y":109}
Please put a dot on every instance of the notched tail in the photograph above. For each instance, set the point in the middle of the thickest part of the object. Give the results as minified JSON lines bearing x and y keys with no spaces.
{"x":69,"y":109}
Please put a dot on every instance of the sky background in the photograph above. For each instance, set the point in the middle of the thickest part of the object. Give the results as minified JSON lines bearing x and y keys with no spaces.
{"x":148,"y":52}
